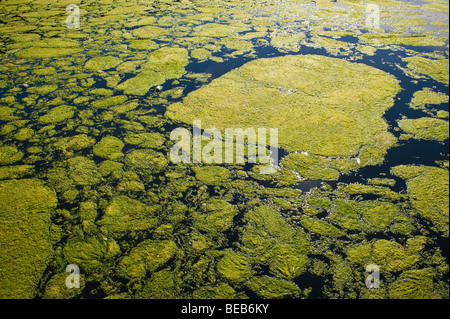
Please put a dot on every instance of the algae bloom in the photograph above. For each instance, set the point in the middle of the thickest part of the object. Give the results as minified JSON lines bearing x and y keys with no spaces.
{"x":357,"y":91}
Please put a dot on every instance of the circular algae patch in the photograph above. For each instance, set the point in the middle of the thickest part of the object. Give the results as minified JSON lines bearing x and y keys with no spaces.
{"x":320,"y":105}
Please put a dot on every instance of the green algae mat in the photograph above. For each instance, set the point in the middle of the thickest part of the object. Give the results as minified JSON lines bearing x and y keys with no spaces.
{"x":97,"y":96}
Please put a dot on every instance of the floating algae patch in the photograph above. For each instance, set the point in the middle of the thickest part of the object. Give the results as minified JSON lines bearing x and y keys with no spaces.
{"x":161,"y":65}
{"x":41,"y":53}
{"x":215,"y":30}
{"x":109,"y":147}
{"x":271,"y":242}
{"x":102,"y":63}
{"x":26,"y":247}
{"x":308,"y":98}
{"x":148,"y":256}
{"x":402,"y":39}
{"x":215,"y":217}
{"x":426,"y":128}
{"x":426,"y":97}
{"x":163,"y":284}
{"x":9,"y":155}
{"x":146,"y":162}
{"x":149,"y":32}
{"x":211,"y":175}
{"x":124,"y":215}
{"x":428,"y":188}
{"x":273,"y":288}
{"x":146,"y":140}
{"x":87,"y":253}
{"x":56,"y":288}
{"x":42,"y":90}
{"x":16,"y":171}
{"x":83,"y":171}
{"x":417,"y":284}
{"x":108,"y":102}
{"x":437,"y":69}
{"x":234,"y":267}
{"x":389,"y":255}
{"x":57,"y":114}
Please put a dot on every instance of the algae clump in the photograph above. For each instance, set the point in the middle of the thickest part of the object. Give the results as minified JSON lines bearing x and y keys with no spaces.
{"x":307,"y":98}
{"x":102,"y":63}
{"x":234,"y":267}
{"x":437,"y":69}
{"x":426,"y":128}
{"x":425,"y":97}
{"x":124,"y":215}
{"x":9,"y":155}
{"x":217,"y":216}
{"x":57,"y":114}
{"x":148,"y":256}
{"x":211,"y":175}
{"x":428,"y":188}
{"x":25,"y":245}
{"x":109,"y":147}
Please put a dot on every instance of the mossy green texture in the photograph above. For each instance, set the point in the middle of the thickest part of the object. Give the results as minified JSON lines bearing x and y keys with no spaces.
{"x":211,"y":175}
{"x":26,"y":248}
{"x":417,"y":284}
{"x":426,"y":96}
{"x":57,"y":114}
{"x":149,"y":32}
{"x":161,"y":285}
{"x":124,"y":215}
{"x":385,"y":192}
{"x":102,"y":63}
{"x":9,"y":155}
{"x":312,"y":167}
{"x":213,"y":30}
{"x":221,"y":291}
{"x":272,"y":242}
{"x":42,"y":53}
{"x":75,"y":143}
{"x":321,"y":227}
{"x":272,"y":288}
{"x":146,"y":162}
{"x":42,"y":90}
{"x":56,"y":287}
{"x":148,"y":256}
{"x":333,"y":95}
{"x":402,"y":39}
{"x":234,"y":267}
{"x":390,"y":256}
{"x":201,"y":54}
{"x":146,"y":140}
{"x":426,"y":128}
{"x":428,"y":188}
{"x":87,"y":253}
{"x":108,"y":102}
{"x":163,"y":64}
{"x":83,"y":171}
{"x":16,"y":171}
{"x":215,"y":217}
{"x":369,"y":216}
{"x":110,"y":167}
{"x":109,"y":147}
{"x":287,"y":261}
{"x":437,"y":69}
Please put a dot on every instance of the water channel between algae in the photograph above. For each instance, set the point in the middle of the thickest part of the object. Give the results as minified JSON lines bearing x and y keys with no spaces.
{"x":86,"y":177}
